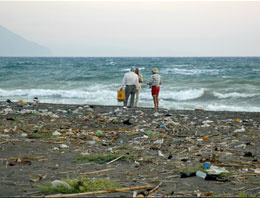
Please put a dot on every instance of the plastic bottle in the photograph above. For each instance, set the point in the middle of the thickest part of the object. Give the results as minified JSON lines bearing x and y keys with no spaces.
{"x":201,"y":174}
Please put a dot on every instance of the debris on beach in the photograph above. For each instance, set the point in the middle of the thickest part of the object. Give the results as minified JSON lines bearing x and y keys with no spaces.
{"x":189,"y":153}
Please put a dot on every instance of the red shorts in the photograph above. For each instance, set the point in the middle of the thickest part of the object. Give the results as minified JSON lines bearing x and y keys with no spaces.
{"x":155,"y":91}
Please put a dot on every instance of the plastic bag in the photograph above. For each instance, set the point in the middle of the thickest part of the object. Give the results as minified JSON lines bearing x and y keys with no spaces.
{"x":120,"y":95}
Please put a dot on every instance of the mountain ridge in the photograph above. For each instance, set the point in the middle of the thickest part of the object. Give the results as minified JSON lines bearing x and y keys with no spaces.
{"x":12,"y":44}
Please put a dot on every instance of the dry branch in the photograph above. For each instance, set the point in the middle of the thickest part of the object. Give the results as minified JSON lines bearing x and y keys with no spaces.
{"x":102,"y":191}
{"x":155,"y":188}
{"x":110,"y":162}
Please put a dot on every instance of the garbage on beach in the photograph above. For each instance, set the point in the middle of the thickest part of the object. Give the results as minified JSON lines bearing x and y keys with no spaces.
{"x":36,"y":100}
{"x":215,"y":170}
{"x":56,"y":133}
{"x":153,"y":143}
{"x":22,"y":102}
{"x":240,"y":130}
{"x":58,"y":183}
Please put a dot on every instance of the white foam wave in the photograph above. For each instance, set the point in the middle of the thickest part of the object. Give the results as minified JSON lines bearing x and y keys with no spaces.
{"x":233,"y":95}
{"x":182,"y":105}
{"x":190,"y":72}
{"x":92,"y":93}
{"x":125,"y":70}
{"x":182,"y":65}
{"x":223,"y":107}
{"x":179,"y":95}
{"x":128,"y":69}
{"x":95,"y":95}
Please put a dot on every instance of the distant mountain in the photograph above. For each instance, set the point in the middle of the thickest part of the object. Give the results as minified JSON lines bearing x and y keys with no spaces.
{"x":12,"y":44}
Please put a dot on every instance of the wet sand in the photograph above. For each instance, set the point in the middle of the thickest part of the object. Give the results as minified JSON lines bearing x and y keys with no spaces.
{"x":162,"y":142}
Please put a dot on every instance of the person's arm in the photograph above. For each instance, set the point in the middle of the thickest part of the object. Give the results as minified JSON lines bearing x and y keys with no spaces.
{"x":160,"y":80}
{"x":141,"y":78}
{"x":150,"y":82}
{"x":137,"y":82}
{"x":123,"y":83}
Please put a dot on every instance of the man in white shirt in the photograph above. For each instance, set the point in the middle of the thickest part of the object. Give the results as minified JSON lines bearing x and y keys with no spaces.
{"x":131,"y":84}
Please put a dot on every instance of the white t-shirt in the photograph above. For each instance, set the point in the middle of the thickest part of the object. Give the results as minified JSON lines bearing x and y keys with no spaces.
{"x":130,"y":78}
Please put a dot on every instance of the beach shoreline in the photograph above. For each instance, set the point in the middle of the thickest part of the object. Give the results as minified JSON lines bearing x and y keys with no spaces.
{"x":162,"y":142}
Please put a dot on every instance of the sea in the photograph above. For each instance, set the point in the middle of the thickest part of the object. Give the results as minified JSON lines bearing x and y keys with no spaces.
{"x":210,"y":83}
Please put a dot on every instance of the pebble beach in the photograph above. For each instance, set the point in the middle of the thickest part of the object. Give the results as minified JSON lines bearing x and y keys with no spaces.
{"x":40,"y":143}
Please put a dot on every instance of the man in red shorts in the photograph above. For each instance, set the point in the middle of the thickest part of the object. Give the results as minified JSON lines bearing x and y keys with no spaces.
{"x":155,"y":83}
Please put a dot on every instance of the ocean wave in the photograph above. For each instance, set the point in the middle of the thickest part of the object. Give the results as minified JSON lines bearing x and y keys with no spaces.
{"x":209,"y":106}
{"x":178,"y":95}
{"x":189,"y":99}
{"x":190,"y":72}
{"x":128,"y":69}
{"x":92,"y":93}
{"x":223,"y":107}
{"x":233,"y":95}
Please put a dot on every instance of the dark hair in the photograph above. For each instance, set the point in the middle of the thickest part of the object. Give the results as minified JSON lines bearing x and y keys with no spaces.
{"x":137,"y":70}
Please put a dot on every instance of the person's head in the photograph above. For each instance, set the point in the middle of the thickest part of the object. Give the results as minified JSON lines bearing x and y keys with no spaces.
{"x":137,"y":70}
{"x":132,"y":69}
{"x":155,"y":71}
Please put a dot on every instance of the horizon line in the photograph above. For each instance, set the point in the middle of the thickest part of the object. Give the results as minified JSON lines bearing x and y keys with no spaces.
{"x":126,"y":56}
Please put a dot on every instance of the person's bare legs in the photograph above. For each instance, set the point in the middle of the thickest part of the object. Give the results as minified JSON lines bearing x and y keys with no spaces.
{"x":137,"y":99}
{"x":155,"y":102}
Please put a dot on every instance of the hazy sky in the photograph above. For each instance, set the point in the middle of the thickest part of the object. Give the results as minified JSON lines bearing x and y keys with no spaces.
{"x":114,"y":28}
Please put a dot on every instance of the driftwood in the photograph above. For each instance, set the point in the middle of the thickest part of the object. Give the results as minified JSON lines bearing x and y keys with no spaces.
{"x":4,"y":142}
{"x":155,"y":188}
{"x":110,"y":162}
{"x":101,"y":191}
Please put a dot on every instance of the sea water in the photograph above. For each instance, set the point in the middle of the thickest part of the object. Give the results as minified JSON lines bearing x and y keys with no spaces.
{"x":211,"y":83}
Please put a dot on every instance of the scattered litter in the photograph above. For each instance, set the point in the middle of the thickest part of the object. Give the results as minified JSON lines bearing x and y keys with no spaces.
{"x":257,"y":171}
{"x":64,"y":146}
{"x":160,"y":153}
{"x":58,"y":183}
{"x":240,"y":130}
{"x":24,"y":134}
{"x":215,"y":170}
{"x":56,"y":133}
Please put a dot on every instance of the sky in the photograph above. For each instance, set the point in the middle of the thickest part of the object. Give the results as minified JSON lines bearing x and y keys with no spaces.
{"x":137,"y":28}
